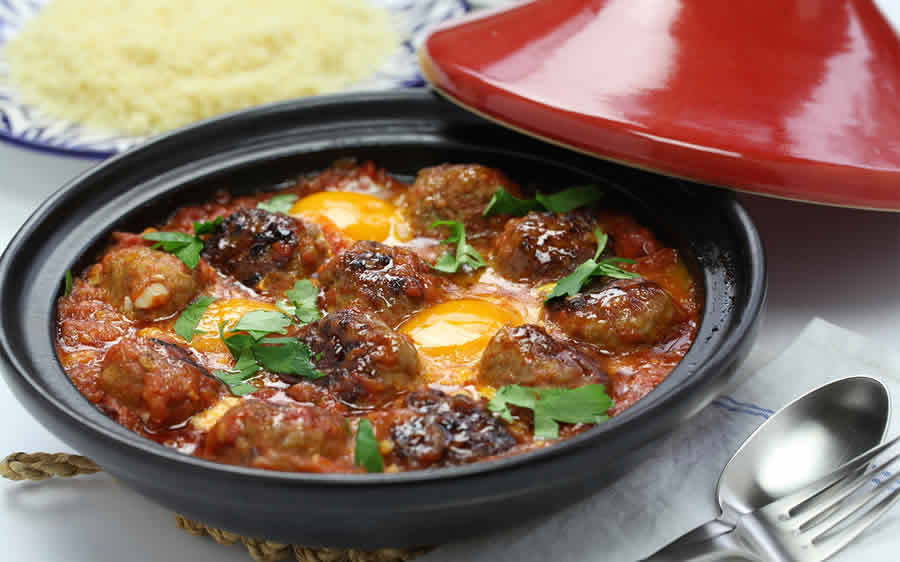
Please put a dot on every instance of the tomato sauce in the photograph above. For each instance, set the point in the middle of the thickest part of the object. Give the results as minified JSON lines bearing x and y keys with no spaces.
{"x":430,"y":408}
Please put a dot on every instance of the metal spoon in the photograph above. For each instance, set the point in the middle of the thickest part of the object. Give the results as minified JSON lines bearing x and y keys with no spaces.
{"x":802,"y":442}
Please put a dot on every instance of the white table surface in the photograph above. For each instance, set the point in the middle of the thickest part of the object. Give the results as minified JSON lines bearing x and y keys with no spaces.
{"x":842,"y":265}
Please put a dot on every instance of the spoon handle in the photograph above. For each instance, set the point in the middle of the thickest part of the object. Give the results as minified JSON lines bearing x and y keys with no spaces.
{"x":708,"y":542}
{"x":705,"y":532}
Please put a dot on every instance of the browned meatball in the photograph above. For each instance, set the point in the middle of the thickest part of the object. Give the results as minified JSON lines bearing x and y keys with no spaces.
{"x":458,"y":192}
{"x":391,"y":283}
{"x":278,"y":436}
{"x":365,"y":362}
{"x":543,"y":247}
{"x":529,"y":356}
{"x":148,"y":284}
{"x":436,"y":429}
{"x":616,"y":315}
{"x":154,"y":384}
{"x":266,"y":250}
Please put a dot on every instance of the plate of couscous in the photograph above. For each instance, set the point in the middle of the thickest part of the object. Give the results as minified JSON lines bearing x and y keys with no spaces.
{"x":93,"y":79}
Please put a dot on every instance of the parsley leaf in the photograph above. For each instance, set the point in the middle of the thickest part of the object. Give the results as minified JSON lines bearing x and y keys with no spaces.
{"x":570,"y":199}
{"x":278,"y":204}
{"x":67,"y":288}
{"x":186,"y":325}
{"x":258,"y":323}
{"x":302,"y":302}
{"x":465,"y":256}
{"x":366,"y":453}
{"x":237,"y":344}
{"x":253,"y":351}
{"x":587,"y":404}
{"x":236,"y":383}
{"x":286,"y":356}
{"x":207,"y":227}
{"x":185,"y":247}
{"x":244,"y":369}
{"x":571,"y":284}
{"x":511,"y":394}
{"x":503,"y":203}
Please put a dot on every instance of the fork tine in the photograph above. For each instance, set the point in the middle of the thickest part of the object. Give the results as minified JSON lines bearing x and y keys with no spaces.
{"x":830,"y":545}
{"x":849,"y":508}
{"x":838,"y":506}
{"x":798,"y":500}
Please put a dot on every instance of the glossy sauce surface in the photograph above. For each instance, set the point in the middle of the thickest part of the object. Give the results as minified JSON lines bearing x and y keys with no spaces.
{"x":425,"y":363}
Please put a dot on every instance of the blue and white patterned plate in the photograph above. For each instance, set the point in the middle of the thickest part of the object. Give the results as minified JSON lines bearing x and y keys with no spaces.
{"x":24,"y":125}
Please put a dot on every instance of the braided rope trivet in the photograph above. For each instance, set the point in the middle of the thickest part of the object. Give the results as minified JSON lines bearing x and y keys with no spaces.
{"x":41,"y":466}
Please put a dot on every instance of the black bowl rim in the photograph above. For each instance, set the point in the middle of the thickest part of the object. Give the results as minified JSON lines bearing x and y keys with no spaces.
{"x":717,"y":361}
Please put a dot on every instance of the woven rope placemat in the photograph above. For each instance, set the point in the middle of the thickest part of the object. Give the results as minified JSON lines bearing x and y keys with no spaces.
{"x":41,"y":466}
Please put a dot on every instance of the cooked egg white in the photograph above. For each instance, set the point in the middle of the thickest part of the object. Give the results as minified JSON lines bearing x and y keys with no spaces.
{"x":203,"y":421}
{"x":358,"y":215}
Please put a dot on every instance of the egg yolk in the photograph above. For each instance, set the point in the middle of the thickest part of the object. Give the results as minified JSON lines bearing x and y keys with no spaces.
{"x":222,"y":310}
{"x":359,"y":216}
{"x":458,"y":331}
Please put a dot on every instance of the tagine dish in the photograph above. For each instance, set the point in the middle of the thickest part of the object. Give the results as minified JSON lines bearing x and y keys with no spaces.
{"x":350,"y":321}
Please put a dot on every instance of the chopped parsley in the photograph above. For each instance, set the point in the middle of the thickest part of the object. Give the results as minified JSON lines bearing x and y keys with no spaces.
{"x":587,"y":404}
{"x":67,"y":283}
{"x":259,"y":323}
{"x":573,"y":283}
{"x":253,"y":351}
{"x":206,"y":227}
{"x":465,"y":256}
{"x":244,"y":369}
{"x":183,"y":246}
{"x":302,"y":302}
{"x":278,"y":204}
{"x":366,"y":453}
{"x":186,"y":325}
{"x":287,"y":356}
{"x":504,"y":203}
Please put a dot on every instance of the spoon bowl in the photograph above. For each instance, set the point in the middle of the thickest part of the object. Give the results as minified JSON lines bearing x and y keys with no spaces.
{"x":804,"y":441}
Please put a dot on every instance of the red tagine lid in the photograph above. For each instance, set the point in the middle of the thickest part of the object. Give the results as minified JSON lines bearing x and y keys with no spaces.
{"x":791,"y":98}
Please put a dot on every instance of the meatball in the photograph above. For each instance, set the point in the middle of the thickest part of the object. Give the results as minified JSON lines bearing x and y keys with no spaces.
{"x":439,"y":430}
{"x":389,"y":282}
{"x":154,"y":384}
{"x":529,"y":356}
{"x":147,"y":284}
{"x":457,"y":192}
{"x":279,"y":436}
{"x":266,"y":250}
{"x":542,"y":247}
{"x":365,"y":362}
{"x":616,"y":315}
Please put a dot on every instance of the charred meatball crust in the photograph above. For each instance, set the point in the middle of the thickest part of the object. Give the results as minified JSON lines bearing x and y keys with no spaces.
{"x":266,"y":250}
{"x":543,"y":247}
{"x":458,"y":192}
{"x":146,"y":284}
{"x":153,"y":384}
{"x":365,"y":362}
{"x":529,"y":356}
{"x":435,"y":429}
{"x":277,"y":436}
{"x":390,"y":283}
{"x":617,"y":315}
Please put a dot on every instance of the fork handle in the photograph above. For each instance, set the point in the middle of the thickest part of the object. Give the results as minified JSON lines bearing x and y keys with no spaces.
{"x":708,"y":542}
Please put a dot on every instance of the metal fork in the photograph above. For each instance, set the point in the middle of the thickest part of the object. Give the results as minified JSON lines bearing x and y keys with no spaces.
{"x":813,"y":524}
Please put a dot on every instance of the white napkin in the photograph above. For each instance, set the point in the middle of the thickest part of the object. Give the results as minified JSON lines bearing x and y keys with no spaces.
{"x":674,"y":491}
